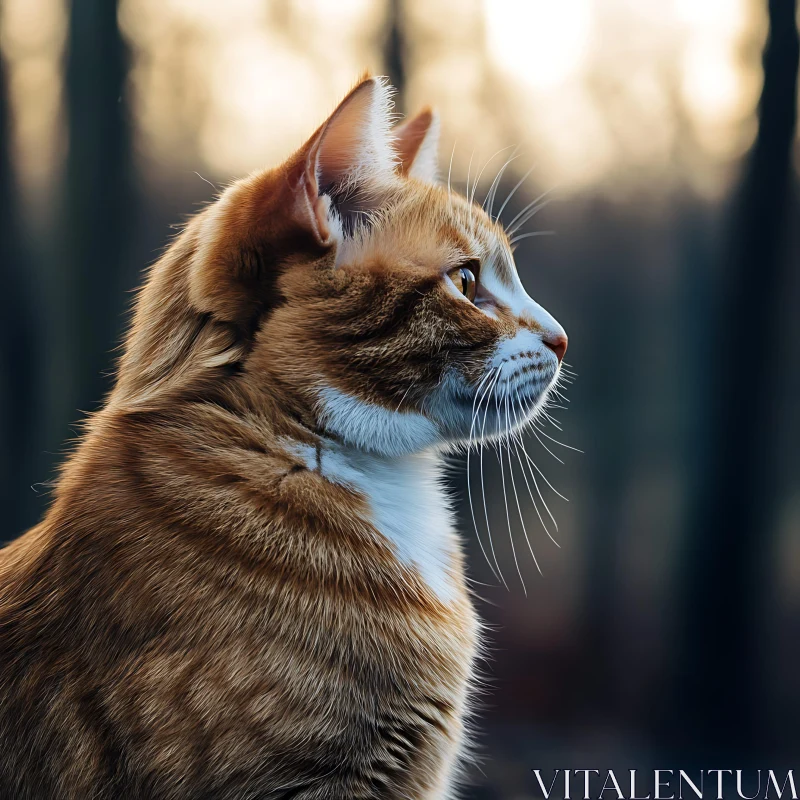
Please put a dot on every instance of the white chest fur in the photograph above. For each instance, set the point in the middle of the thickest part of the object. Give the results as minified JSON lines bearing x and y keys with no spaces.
{"x":408,"y":506}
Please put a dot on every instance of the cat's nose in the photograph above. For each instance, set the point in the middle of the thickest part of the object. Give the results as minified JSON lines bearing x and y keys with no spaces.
{"x":557,"y":342}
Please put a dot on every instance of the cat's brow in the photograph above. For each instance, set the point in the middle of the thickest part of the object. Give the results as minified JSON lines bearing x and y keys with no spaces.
{"x":502,"y":265}
{"x":462,"y":241}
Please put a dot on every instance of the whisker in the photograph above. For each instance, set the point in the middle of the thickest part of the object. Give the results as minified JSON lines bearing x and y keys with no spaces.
{"x":556,"y":390}
{"x":568,"y":446}
{"x":513,"y":191}
{"x":483,"y":381}
{"x":505,"y":496}
{"x":554,"y":422}
{"x":475,"y":412}
{"x":405,"y":394}
{"x":516,"y":495}
{"x":522,"y":236}
{"x":469,"y":170}
{"x":536,"y":432}
{"x":450,"y":168}
{"x":524,"y":465}
{"x":532,"y":463}
{"x":530,"y":210}
{"x":483,"y":485}
{"x":559,"y":390}
{"x":495,"y":183}
{"x":477,"y":180}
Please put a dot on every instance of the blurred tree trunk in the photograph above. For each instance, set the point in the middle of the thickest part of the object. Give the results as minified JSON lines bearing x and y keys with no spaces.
{"x":394,"y":52}
{"x":714,"y":709}
{"x":19,"y":347}
{"x":609,"y":461}
{"x":98,"y":198}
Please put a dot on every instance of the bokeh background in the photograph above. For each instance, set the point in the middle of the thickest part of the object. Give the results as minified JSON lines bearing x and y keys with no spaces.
{"x":665,"y":630}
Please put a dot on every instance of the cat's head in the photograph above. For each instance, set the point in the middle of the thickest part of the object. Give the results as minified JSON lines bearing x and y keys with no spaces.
{"x":376,"y":304}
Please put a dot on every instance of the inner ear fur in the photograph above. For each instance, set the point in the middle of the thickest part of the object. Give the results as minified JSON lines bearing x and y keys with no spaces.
{"x":261,"y":224}
{"x":417,"y":143}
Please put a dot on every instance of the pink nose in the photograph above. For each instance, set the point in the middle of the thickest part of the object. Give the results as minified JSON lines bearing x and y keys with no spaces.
{"x":557,"y":342}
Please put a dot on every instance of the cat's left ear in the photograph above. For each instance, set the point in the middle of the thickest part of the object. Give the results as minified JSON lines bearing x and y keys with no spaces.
{"x":350,"y":158}
{"x":417,"y":145}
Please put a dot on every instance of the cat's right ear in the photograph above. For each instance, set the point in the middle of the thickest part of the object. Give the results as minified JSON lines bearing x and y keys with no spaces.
{"x":417,"y":143}
{"x":265,"y":221}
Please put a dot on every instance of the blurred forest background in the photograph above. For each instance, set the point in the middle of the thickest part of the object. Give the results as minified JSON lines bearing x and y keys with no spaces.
{"x":665,"y":631}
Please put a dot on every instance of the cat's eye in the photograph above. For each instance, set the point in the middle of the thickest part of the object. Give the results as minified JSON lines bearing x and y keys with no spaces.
{"x":464,"y":280}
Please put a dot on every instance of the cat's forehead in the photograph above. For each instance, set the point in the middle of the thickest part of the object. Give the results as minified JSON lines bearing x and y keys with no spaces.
{"x":485,"y":237}
{"x":435,"y":228}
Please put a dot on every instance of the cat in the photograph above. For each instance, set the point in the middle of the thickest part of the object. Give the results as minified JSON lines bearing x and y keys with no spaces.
{"x":248,"y":584}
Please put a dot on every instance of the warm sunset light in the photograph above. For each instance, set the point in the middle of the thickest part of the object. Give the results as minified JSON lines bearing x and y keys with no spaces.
{"x":230,"y":88}
{"x":32,"y":39}
{"x":539,"y":42}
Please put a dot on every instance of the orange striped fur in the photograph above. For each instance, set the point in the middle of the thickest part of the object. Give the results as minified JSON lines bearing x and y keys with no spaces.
{"x":248,"y":584}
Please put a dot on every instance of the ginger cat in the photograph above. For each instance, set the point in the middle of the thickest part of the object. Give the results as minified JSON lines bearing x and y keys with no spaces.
{"x":248,"y":584}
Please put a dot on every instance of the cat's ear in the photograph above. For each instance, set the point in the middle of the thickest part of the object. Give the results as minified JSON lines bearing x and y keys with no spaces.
{"x":350,"y":157}
{"x":262,"y":223}
{"x":417,"y":145}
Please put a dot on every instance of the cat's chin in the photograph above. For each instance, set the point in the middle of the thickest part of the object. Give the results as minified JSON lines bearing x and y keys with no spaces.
{"x":463,"y":422}
{"x":465,"y":416}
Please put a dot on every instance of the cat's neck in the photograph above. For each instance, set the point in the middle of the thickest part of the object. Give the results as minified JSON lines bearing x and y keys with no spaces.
{"x":407,"y":500}
{"x":232,"y":468}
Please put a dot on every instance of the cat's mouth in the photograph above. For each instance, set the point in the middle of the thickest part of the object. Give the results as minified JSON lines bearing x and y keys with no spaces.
{"x":525,"y":386}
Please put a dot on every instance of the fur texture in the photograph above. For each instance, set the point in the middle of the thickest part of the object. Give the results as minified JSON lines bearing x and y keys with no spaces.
{"x":248,"y":584}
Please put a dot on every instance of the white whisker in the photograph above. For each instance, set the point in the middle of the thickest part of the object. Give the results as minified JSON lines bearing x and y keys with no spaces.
{"x":526,"y":468}
{"x":568,"y":446}
{"x":490,"y":195}
{"x":529,"y":211}
{"x":469,"y":170}
{"x":402,"y":399}
{"x":483,"y":485}
{"x":536,"y":431}
{"x":477,"y":180}
{"x":516,"y":496}
{"x":559,"y":394}
{"x":450,"y":168}
{"x":533,"y":429}
{"x":513,"y":191}
{"x":475,"y":412}
{"x":531,"y":463}
{"x":505,"y":495}
{"x":522,"y":236}
{"x":554,"y":422}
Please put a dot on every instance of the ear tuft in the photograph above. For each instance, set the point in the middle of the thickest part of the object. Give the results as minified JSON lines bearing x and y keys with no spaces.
{"x":417,"y":145}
